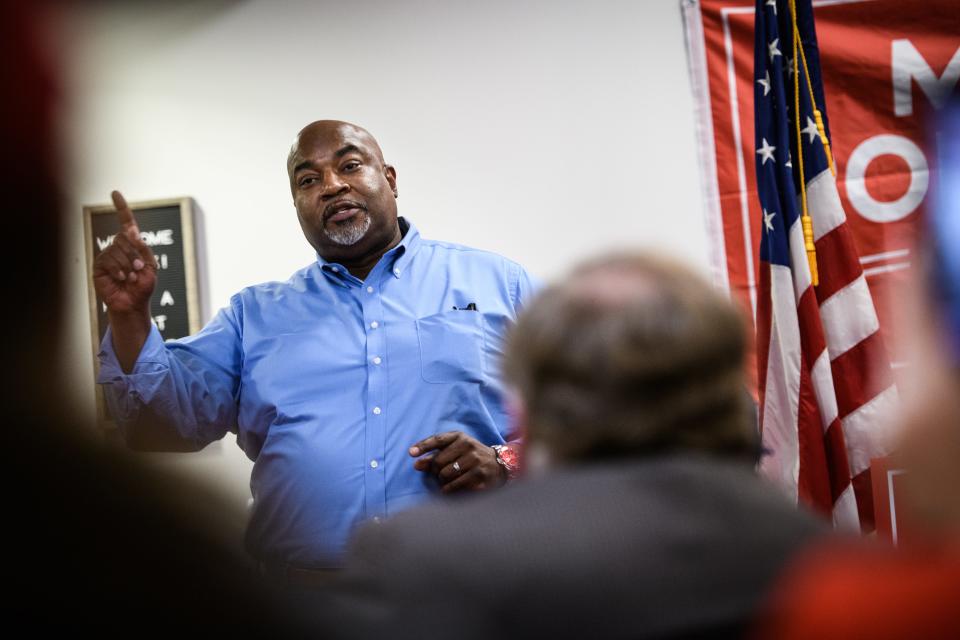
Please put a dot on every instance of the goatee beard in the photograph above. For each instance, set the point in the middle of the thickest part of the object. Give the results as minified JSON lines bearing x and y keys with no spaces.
{"x":349,"y":232}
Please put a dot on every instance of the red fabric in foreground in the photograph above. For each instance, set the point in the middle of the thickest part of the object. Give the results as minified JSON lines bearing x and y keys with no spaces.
{"x":866,"y":591}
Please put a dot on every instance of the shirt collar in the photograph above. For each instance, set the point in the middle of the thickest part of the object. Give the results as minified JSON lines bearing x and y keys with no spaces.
{"x":397,"y":259}
{"x":403,"y":253}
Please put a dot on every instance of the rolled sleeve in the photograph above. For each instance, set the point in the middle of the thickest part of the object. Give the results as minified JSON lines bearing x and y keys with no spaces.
{"x":125,"y":392}
{"x":190,"y":384}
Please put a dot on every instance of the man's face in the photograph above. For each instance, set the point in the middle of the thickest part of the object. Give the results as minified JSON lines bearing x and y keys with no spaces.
{"x":344,"y":194}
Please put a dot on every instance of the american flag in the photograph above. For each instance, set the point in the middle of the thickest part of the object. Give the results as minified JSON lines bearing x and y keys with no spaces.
{"x":826,"y":390}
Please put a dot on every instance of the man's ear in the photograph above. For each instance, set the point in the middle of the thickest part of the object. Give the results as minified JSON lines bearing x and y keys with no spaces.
{"x":391,"y":175}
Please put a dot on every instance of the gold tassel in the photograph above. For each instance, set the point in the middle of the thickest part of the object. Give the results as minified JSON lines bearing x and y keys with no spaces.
{"x":823,"y":138}
{"x":807,"y":222}
{"x":805,"y":219}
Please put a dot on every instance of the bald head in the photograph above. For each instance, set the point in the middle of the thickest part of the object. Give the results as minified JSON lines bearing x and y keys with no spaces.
{"x":631,"y":354}
{"x":326,"y":129}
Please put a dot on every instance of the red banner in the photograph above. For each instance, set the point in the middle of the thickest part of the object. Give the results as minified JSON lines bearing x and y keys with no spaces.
{"x":885,"y":65}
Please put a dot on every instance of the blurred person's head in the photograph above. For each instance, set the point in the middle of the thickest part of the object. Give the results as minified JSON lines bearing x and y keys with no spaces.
{"x":32,"y":188}
{"x":929,"y":448}
{"x":156,"y":547}
{"x":630,"y":355}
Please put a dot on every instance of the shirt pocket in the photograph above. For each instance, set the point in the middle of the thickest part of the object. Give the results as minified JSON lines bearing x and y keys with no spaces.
{"x":451,"y":347}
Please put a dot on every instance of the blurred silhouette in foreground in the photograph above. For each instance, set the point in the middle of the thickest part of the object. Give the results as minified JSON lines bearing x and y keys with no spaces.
{"x":96,"y":540}
{"x":640,"y":515}
{"x":873,"y":590}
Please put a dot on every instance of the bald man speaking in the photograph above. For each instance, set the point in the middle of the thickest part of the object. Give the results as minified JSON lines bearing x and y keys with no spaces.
{"x":362,"y":385}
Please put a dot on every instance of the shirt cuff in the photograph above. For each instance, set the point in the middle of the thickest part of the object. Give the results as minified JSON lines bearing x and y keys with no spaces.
{"x":125,"y":392}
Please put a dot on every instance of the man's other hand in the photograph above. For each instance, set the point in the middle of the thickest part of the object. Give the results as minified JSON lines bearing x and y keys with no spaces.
{"x":460,"y":462}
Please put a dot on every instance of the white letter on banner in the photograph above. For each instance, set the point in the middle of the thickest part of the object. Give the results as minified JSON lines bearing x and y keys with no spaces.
{"x":909,"y":64}
{"x":861,"y":158}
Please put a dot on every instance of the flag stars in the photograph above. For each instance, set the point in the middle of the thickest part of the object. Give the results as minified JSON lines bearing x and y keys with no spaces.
{"x":774,"y":49}
{"x":811,"y":130}
{"x":772,"y":3}
{"x":768,"y":219}
{"x":789,"y":162}
{"x":789,"y":66}
{"x":765,"y":83}
{"x":766,"y":152}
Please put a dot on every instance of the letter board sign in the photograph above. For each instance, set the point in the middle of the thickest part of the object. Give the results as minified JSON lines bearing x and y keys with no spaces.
{"x":167,"y":227}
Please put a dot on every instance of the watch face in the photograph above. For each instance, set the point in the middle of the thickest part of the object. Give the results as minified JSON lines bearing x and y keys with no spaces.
{"x":509,"y":457}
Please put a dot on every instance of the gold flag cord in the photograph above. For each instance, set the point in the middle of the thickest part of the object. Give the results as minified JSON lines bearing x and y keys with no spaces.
{"x":799,"y":57}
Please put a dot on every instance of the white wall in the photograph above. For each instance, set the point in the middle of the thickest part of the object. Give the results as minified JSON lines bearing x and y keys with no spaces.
{"x":544,"y":130}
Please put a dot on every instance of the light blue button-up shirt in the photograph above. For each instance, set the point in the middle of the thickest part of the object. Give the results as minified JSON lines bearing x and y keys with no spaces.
{"x":327,"y":380}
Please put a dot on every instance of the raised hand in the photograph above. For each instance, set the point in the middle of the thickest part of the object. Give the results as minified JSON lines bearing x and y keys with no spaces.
{"x":125,"y":273}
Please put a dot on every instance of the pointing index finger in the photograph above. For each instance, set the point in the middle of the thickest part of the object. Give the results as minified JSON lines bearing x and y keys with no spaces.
{"x":124,"y":214}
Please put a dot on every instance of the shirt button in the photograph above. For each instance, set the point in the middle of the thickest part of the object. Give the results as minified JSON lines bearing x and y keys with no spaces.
{"x":396,"y":271}
{"x":335,"y":269}
{"x":376,"y":411}
{"x":374,"y":324}
{"x":374,"y":464}
{"x":377,"y":360}
{"x":369,"y":289}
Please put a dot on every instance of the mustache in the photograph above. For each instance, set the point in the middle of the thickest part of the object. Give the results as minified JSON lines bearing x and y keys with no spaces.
{"x":340,"y":205}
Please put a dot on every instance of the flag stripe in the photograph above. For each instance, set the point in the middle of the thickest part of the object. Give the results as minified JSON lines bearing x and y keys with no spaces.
{"x":836,"y":463}
{"x":868,"y":432}
{"x":863,"y":487}
{"x":848,"y":317}
{"x":822,"y":378}
{"x":836,"y":272}
{"x":845,"y":511}
{"x":763,"y":321}
{"x":857,"y":376}
{"x":814,"y":483}
{"x":814,"y":343}
{"x":782,"y":383}
{"x":824,"y":199}
{"x":798,"y":258}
